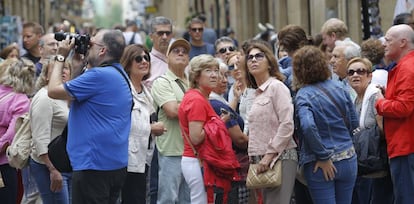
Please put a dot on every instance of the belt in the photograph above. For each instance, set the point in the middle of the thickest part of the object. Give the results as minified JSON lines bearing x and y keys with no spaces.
{"x":343,"y":155}
{"x":287,"y":154}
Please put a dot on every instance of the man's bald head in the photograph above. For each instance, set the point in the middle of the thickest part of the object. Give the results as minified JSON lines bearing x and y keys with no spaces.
{"x":398,"y":42}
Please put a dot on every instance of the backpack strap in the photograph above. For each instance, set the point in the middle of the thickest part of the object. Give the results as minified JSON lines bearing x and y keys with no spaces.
{"x":127,"y":80}
{"x":132,"y":39}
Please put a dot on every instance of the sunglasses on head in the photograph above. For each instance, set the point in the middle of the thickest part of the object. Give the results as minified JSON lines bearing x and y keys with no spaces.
{"x":258,"y":56}
{"x":197,"y":29}
{"x":140,"y":58}
{"x":225,"y":49}
{"x":162,"y":33}
{"x":358,"y":71}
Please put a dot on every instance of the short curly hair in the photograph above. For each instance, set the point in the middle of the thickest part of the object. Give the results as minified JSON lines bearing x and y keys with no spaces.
{"x":373,"y":50}
{"x":309,"y":67}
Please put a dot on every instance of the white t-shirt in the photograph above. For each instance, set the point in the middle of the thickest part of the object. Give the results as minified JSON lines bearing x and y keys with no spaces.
{"x":128,"y":36}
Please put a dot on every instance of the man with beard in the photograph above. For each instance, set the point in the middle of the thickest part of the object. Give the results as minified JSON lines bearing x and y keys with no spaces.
{"x":99,"y":119}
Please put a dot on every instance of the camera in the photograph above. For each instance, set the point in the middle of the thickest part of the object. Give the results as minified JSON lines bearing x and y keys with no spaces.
{"x":81,"y":41}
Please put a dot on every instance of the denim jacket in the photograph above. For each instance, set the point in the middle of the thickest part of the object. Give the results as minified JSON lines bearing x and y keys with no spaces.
{"x":321,"y":128}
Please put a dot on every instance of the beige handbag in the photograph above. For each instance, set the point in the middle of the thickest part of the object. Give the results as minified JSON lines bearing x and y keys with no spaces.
{"x":270,"y":178}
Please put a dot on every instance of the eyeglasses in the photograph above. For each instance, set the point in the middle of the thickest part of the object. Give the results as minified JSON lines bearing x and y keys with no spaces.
{"x":140,"y":58}
{"x":95,"y":43}
{"x":225,"y":49}
{"x":258,"y":56}
{"x":197,"y":29}
{"x":231,"y":67}
{"x":162,"y":33}
{"x":177,"y":50}
{"x":358,"y":71}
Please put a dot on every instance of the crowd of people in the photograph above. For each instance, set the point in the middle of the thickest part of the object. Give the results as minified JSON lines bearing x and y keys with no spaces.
{"x":136,"y":111}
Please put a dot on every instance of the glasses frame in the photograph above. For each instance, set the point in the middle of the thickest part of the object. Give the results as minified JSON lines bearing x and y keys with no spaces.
{"x":200,"y":30}
{"x":141,"y":58}
{"x":178,"y":50}
{"x":162,"y":33}
{"x":359,"y":71}
{"x":225,"y":49}
{"x":258,"y":56}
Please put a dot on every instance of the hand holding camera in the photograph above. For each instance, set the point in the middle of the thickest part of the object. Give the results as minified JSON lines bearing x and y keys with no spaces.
{"x":81,"y":42}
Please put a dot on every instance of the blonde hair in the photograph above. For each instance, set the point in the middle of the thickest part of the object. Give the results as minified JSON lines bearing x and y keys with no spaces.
{"x":364,"y":61}
{"x":335,"y":25}
{"x":198,"y":64}
{"x":18,"y":74}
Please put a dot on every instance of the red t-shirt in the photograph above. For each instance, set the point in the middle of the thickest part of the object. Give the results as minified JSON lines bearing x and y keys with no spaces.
{"x":194,"y":107}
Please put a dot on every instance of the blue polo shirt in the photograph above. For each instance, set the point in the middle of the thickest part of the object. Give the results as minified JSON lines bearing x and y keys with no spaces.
{"x":99,"y":119}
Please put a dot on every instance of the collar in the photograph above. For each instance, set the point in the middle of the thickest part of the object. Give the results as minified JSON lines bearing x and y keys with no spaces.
{"x":264,"y":86}
{"x":159,"y":55}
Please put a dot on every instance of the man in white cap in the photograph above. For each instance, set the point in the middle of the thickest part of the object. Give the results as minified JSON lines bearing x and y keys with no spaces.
{"x":168,"y":91}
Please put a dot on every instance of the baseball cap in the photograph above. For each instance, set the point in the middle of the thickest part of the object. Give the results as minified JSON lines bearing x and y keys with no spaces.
{"x":179,"y":42}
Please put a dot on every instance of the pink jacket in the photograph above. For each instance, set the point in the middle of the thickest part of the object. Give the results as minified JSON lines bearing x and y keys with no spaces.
{"x":271,"y":119}
{"x":10,"y":109}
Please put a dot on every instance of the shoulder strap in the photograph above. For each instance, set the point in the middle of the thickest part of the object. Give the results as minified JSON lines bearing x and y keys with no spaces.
{"x":180,"y":85}
{"x":132,"y":39}
{"x":127,"y":81}
{"x":187,"y":137}
{"x":6,"y":96}
{"x":336,"y":104}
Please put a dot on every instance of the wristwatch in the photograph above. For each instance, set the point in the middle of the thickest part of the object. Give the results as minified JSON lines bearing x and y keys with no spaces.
{"x":60,"y":58}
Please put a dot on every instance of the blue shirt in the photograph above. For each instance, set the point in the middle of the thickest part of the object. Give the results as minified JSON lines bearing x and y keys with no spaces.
{"x":322,"y":130}
{"x":207,"y":48}
{"x":99,"y":119}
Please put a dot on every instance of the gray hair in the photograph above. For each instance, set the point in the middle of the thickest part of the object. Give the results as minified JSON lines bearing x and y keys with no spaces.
{"x":351,"y":49}
{"x":160,"y":20}
{"x":223,"y":39}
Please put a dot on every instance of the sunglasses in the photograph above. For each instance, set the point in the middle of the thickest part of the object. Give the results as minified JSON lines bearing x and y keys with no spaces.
{"x":140,"y":58}
{"x":258,"y":56}
{"x":225,"y":49}
{"x":177,"y":50}
{"x":197,"y":29}
{"x":162,"y":33}
{"x":358,"y":71}
{"x":231,"y":67}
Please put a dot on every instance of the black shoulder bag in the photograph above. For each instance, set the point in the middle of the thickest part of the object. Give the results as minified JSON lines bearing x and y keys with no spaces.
{"x":57,"y":152}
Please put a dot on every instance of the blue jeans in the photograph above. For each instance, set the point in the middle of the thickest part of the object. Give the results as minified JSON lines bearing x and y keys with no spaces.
{"x":362,"y":191}
{"x":42,"y":178}
{"x":172,"y":187}
{"x":336,"y":191}
{"x":382,"y":190}
{"x":402,"y":175}
{"x":153,"y":178}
